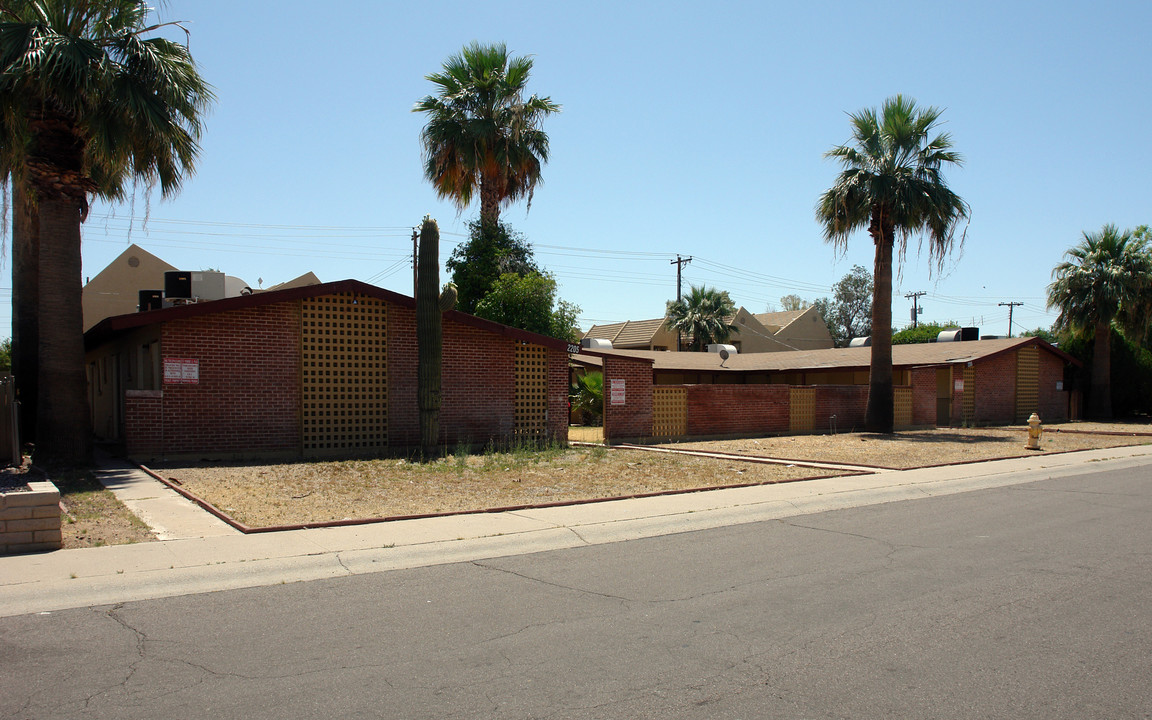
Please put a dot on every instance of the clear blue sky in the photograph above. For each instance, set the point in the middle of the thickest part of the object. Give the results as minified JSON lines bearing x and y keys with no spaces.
{"x":696,"y":129}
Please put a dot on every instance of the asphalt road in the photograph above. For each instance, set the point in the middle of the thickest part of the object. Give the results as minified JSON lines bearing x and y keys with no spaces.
{"x":1027,"y":601}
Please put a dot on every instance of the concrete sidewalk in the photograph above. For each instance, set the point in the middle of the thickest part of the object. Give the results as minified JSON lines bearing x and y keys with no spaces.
{"x":205,"y":556}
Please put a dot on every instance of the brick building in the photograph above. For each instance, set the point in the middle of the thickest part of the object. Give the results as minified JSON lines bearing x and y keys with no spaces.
{"x":981,"y":382}
{"x":326,"y":370}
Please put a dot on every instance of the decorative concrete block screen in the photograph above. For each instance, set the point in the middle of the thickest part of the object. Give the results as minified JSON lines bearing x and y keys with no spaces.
{"x":669,"y":412}
{"x":345,"y":374}
{"x":1027,"y":382}
{"x":902,"y":407}
{"x":530,"y":417}
{"x":802,"y":410}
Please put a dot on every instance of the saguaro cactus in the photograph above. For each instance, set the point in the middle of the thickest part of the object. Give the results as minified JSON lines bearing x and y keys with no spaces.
{"x":429,"y":337}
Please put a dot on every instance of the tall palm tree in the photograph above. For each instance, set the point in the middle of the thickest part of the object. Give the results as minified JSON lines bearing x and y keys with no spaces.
{"x":703,"y":313}
{"x":86,"y":102}
{"x":892,"y":185}
{"x":1106,"y":278}
{"x":482,"y":135}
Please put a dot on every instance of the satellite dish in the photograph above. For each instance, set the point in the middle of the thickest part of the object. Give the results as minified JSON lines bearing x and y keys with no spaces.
{"x":723,"y":355}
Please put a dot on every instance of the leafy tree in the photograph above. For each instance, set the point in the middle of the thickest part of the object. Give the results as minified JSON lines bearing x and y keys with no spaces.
{"x":922,"y":333}
{"x":6,"y":355}
{"x":703,"y":314}
{"x":492,"y":250}
{"x":1106,"y":278}
{"x":892,"y":185}
{"x":86,"y":101}
{"x":1044,"y":334}
{"x":790,"y":303}
{"x":849,"y":313}
{"x":482,"y":135}
{"x":529,"y":302}
{"x":1127,"y":360}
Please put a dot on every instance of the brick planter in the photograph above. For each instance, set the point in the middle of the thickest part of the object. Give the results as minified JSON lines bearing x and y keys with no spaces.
{"x":30,"y":521}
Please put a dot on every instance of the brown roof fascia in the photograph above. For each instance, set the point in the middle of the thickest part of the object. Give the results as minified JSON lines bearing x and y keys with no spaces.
{"x":111,"y":327}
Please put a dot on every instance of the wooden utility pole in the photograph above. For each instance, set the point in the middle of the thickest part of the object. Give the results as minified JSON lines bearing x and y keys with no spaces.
{"x":915,"y":306}
{"x":679,"y":263}
{"x":1010,"y":305}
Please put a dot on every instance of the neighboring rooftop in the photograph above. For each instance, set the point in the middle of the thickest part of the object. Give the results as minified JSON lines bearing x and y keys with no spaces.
{"x":919,"y":354}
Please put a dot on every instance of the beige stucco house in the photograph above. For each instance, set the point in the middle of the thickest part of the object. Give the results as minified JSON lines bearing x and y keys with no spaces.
{"x":116,"y":289}
{"x":766,"y":332}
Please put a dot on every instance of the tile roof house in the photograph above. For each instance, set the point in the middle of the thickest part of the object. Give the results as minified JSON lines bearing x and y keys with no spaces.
{"x":766,"y":332}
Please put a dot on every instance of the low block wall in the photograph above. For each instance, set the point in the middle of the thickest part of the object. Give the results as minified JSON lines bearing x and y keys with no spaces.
{"x":30,"y":521}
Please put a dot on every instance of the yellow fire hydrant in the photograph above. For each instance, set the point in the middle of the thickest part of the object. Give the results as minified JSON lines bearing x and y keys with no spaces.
{"x":1034,"y":433}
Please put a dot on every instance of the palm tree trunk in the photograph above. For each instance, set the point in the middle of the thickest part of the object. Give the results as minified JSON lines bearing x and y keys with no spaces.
{"x":1100,"y":397}
{"x":64,"y":426}
{"x":25,"y":307}
{"x":489,"y":202}
{"x":880,"y":415}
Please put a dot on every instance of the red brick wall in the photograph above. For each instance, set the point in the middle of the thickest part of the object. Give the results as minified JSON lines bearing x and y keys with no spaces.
{"x":1053,"y":402}
{"x":403,"y":414}
{"x":558,"y":395}
{"x":477,"y":384}
{"x":248,"y":397}
{"x":847,"y":402}
{"x":738,"y":409}
{"x":143,"y":430}
{"x":924,"y":397}
{"x":633,"y":419}
{"x":996,"y":390}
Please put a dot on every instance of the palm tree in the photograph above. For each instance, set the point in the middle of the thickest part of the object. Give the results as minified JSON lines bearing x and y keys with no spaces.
{"x":1107,"y":277}
{"x":481,"y":133}
{"x":703,"y":313}
{"x":86,"y":102}
{"x":892,"y":185}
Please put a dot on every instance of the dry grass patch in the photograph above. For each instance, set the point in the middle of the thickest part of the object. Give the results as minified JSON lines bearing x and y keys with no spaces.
{"x":93,"y":517}
{"x":918,"y":448}
{"x":294,"y":493}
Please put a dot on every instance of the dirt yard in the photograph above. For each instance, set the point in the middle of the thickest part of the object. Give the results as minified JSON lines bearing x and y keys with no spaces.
{"x":922,"y":448}
{"x":293,"y":493}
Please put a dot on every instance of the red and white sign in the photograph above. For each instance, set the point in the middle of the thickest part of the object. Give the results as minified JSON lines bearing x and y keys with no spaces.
{"x":617,"y":392}
{"x":181,"y":371}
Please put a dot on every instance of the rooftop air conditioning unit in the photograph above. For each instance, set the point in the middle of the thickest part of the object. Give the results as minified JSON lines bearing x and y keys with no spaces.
{"x":177,"y":285}
{"x":865,"y":341}
{"x":150,"y":300}
{"x":596,"y":344}
{"x":208,"y":285}
{"x":717,"y":347}
{"x":949,"y":335}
